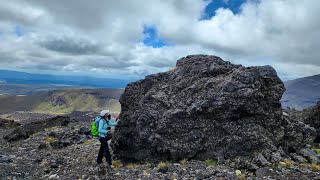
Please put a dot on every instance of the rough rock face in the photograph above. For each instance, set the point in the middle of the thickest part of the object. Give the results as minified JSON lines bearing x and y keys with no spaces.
{"x":8,"y":123}
{"x":314,"y":120}
{"x":204,"y":108}
{"x":297,"y":134}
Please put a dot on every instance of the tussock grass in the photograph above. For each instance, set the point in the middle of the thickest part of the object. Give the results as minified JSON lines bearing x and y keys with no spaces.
{"x":289,"y":163}
{"x":303,"y":165}
{"x":183,"y":161}
{"x":315,"y":167}
{"x":162,"y":164}
{"x":117,"y":164}
{"x":132,"y":166}
{"x":211,"y":162}
{"x":50,"y":139}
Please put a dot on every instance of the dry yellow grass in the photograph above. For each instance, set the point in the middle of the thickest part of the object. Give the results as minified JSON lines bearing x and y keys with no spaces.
{"x":162,"y":165}
{"x":132,"y":166}
{"x":117,"y":164}
{"x":183,"y":161}
{"x":289,"y":163}
{"x":315,"y":167}
{"x":50,"y":139}
{"x":302,"y":165}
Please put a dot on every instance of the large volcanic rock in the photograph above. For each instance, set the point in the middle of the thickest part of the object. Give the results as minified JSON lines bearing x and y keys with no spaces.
{"x":204,"y":108}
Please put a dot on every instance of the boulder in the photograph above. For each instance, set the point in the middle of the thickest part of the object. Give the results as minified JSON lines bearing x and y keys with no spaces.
{"x":265,"y":172}
{"x":296,"y":134}
{"x":314,"y":120}
{"x":203,"y":108}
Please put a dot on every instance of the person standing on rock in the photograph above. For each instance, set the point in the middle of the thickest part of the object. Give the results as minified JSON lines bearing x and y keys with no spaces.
{"x":104,"y":128}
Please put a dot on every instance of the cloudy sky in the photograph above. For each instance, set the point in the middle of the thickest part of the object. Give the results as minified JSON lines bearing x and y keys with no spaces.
{"x":134,"y":38}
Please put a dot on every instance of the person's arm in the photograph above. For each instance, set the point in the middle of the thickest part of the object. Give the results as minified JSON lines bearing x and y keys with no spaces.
{"x":101,"y":130}
{"x":112,"y":123}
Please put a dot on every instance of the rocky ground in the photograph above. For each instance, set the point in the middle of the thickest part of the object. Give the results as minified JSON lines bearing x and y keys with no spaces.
{"x":68,"y":152}
{"x":205,"y":119}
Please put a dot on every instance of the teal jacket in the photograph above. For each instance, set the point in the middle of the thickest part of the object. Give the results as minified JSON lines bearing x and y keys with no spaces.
{"x":103,"y":126}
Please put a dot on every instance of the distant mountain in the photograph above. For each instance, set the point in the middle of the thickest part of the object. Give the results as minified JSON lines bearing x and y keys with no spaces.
{"x":64,"y":101}
{"x":15,"y":77}
{"x":302,"y":93}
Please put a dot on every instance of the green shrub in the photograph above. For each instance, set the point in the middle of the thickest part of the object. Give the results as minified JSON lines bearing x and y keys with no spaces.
{"x":317,"y":150}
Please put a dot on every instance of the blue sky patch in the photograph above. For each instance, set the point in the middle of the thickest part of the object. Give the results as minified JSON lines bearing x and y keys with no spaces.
{"x":233,"y":5}
{"x":19,"y":31}
{"x":151,"y":37}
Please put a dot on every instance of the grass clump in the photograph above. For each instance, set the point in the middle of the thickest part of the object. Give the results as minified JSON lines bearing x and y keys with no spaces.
{"x":315,"y":167}
{"x":147,"y":164}
{"x":289,"y":163}
{"x":183,"y":161}
{"x":317,"y":150}
{"x":132,"y":166}
{"x":50,"y":139}
{"x":283,"y":164}
{"x":162,"y":164}
{"x":303,"y":165}
{"x":243,"y":177}
{"x":211,"y":162}
{"x":117,"y":164}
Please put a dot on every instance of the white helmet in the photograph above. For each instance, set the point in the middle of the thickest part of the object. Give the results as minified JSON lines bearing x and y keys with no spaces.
{"x":104,"y":112}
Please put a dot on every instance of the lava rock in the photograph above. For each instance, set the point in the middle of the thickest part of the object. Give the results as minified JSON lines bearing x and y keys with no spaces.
{"x":265,"y":172}
{"x":314,"y":120}
{"x":8,"y":123}
{"x":53,"y":134}
{"x":84,"y":130}
{"x":17,"y":134}
{"x":24,"y":131}
{"x":310,"y":155}
{"x":42,"y":146}
{"x":261,"y":160}
{"x":205,"y":107}
{"x":296,"y":134}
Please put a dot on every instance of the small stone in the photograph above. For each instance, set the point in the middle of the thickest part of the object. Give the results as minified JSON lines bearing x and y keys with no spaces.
{"x":163,"y":169}
{"x":261,"y":160}
{"x":42,"y":146}
{"x":52,"y":134}
{"x":264,"y":172}
{"x":54,"y":176}
{"x":54,"y":166}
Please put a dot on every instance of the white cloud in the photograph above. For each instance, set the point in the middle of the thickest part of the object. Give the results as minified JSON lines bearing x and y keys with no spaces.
{"x":106,"y":36}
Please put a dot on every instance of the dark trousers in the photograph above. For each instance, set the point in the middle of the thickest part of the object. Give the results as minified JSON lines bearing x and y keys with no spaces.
{"x":104,"y":150}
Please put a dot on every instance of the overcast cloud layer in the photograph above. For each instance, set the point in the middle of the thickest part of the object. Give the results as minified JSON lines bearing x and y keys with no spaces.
{"x":103,"y":37}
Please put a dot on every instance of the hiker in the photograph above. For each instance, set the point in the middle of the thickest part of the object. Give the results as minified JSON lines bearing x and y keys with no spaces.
{"x":104,"y":136}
